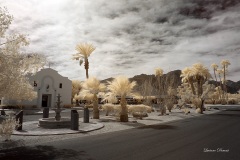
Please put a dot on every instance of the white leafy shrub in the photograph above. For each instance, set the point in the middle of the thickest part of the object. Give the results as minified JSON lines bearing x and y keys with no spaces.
{"x":7,"y":127}
{"x":186,"y":111}
{"x":139,"y":108}
{"x":109,"y":107}
{"x":198,"y":110}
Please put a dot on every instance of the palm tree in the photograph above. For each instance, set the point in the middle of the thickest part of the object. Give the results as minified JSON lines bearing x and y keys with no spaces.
{"x":91,"y":87}
{"x":84,"y":51}
{"x":121,"y":86}
{"x":225,"y":64}
{"x":158,"y":74}
{"x":201,"y":74}
{"x":188,"y":77}
{"x":215,"y":68}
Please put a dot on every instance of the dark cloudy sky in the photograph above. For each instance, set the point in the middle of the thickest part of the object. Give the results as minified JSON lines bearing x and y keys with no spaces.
{"x":131,"y":36}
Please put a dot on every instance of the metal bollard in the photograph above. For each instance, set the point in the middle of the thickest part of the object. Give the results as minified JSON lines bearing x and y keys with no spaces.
{"x":74,"y":120}
{"x":19,"y":117}
{"x":45,"y":112}
{"x":86,"y":115}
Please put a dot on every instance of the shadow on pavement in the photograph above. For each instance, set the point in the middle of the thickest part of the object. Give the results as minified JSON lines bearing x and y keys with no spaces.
{"x":132,"y":124}
{"x":41,"y":152}
{"x":229,"y":115}
{"x":159,"y":126}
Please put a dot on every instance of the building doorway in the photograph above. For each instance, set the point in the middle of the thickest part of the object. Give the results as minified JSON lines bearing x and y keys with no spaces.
{"x":46,"y":100}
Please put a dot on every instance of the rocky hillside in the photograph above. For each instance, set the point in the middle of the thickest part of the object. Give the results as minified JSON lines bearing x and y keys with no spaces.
{"x":170,"y":79}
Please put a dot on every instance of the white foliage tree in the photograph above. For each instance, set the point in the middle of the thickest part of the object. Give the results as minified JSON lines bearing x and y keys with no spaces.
{"x":14,"y":63}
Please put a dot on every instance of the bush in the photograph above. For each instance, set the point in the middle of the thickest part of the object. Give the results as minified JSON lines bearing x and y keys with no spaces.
{"x":108,"y":107}
{"x":232,"y":101}
{"x":162,"y":110}
{"x":10,"y":107}
{"x":7,"y":127}
{"x":186,"y":110}
{"x":169,"y":105}
{"x":68,"y":106}
{"x":210,"y":101}
{"x":139,"y":108}
{"x":197,"y":102}
{"x":223,"y":102}
{"x":198,"y":110}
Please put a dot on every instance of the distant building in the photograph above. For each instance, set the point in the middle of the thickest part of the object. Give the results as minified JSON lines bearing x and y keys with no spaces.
{"x":48,"y":83}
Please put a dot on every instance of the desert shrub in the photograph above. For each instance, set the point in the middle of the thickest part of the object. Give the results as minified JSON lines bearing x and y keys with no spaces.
{"x":89,"y":106}
{"x":139,"y":111}
{"x":25,"y":106}
{"x":233,"y":101}
{"x":169,"y":105}
{"x":162,"y":110}
{"x":186,"y":110}
{"x":223,"y":101}
{"x":218,"y":101}
{"x":210,"y":101}
{"x":10,"y":107}
{"x":7,"y":127}
{"x":68,"y":106}
{"x":109,"y":107}
{"x":196,"y":102}
{"x":139,"y":108}
{"x":198,"y":110}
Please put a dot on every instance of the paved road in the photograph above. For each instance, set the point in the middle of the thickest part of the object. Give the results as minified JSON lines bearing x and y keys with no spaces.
{"x":208,"y":137}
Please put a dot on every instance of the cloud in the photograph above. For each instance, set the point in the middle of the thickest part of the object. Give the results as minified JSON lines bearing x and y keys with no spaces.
{"x":132,"y":37}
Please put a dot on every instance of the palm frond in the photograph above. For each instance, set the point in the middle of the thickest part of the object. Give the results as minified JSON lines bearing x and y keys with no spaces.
{"x":85,"y":49}
{"x":93,"y":85}
{"x":225,"y":63}
{"x":214,"y":66}
{"x":121,"y":86}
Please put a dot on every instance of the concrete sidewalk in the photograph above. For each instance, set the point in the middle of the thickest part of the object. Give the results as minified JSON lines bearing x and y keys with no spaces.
{"x":111,"y":124}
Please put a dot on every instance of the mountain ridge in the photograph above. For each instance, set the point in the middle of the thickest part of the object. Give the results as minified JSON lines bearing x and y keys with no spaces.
{"x":173,"y":79}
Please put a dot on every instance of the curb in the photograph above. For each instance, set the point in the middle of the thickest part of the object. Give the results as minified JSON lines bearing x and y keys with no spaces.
{"x":34,"y":130}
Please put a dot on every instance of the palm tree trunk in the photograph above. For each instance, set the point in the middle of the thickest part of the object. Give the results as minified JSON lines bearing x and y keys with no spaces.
{"x":199,"y":87}
{"x":124,"y":113}
{"x":225,"y":86}
{"x":214,"y":71}
{"x":217,"y":83}
{"x":202,"y":106}
{"x":86,"y":67}
{"x":190,"y":81}
{"x":95,"y":107}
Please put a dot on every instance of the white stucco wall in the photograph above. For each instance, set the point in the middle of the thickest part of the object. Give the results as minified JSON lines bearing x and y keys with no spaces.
{"x":49,"y":77}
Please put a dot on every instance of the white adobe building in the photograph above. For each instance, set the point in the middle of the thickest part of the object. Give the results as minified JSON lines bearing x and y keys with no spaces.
{"x":48,"y":83}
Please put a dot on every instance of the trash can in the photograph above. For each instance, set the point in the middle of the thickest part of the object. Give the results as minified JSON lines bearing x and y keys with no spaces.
{"x":74,"y":120}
